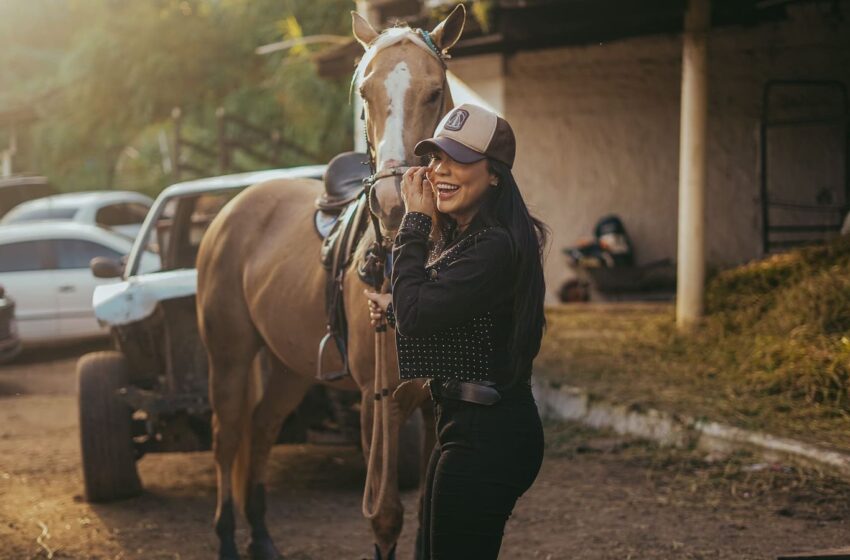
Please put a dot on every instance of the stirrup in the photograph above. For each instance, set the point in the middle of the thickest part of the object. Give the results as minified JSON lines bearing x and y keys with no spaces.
{"x":333,"y":375}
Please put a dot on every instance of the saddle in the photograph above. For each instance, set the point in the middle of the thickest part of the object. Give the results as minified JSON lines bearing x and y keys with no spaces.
{"x":339,"y":221}
{"x":343,"y":183}
{"x":343,"y":180}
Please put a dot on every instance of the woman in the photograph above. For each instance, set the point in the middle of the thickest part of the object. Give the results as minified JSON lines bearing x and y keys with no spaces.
{"x":467,"y":307}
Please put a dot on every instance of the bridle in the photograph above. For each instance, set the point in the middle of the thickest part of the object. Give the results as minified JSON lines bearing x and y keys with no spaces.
{"x":377,"y":253}
{"x":370,"y":150}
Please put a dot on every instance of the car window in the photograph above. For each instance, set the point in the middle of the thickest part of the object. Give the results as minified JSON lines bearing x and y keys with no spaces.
{"x":125,"y":213}
{"x":78,"y":253}
{"x":43,"y":213}
{"x":24,"y":256}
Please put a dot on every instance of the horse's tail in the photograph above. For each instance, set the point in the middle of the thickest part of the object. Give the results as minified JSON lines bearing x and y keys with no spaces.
{"x":240,"y":476}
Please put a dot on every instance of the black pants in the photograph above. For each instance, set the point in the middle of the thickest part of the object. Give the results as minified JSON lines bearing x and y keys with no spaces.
{"x":485,"y":458}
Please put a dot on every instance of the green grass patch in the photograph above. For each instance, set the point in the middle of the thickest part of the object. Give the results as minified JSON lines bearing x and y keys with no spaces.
{"x":773,"y":352}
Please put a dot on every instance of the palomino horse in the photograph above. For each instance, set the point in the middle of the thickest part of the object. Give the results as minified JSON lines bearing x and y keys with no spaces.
{"x":260,"y":285}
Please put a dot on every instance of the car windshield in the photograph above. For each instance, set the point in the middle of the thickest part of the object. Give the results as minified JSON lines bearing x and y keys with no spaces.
{"x":176,"y":235}
{"x":41,"y":213}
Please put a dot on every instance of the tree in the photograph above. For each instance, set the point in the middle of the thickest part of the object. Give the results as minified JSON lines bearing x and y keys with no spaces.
{"x":106,"y":75}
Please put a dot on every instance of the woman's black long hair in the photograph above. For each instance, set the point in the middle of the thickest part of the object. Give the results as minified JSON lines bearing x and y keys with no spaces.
{"x":505,"y":206}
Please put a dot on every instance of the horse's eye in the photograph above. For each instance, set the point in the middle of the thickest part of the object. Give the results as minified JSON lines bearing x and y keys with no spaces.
{"x":433,"y":96}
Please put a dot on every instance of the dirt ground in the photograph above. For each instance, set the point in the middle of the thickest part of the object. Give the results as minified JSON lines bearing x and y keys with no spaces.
{"x":597,"y":496}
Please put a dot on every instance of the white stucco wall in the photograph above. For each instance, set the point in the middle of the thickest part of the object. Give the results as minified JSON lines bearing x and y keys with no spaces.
{"x":598,"y":131}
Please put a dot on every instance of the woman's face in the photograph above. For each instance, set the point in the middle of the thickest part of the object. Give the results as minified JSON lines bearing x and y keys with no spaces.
{"x":459,"y":188}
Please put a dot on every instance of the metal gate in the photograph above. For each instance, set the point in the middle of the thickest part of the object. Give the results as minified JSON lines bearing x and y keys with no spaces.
{"x":805,"y":149}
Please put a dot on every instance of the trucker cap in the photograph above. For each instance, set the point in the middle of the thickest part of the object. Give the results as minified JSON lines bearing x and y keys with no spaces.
{"x":469,"y":133}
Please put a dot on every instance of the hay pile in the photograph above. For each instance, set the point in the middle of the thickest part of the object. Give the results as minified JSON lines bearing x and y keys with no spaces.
{"x":772,"y":354}
{"x":783,"y":323}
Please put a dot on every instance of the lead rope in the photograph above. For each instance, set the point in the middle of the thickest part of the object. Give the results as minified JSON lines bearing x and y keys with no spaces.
{"x":372,"y":500}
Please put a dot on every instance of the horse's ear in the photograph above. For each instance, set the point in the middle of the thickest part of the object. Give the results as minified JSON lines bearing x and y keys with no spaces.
{"x":446,"y":34}
{"x":363,"y":31}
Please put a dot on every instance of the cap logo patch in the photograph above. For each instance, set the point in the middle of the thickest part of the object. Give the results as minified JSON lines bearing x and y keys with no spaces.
{"x":457,"y":120}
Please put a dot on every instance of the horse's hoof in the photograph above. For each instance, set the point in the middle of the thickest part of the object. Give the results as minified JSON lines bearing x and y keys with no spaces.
{"x":228,"y":553}
{"x":390,"y":556}
{"x":263,"y":549}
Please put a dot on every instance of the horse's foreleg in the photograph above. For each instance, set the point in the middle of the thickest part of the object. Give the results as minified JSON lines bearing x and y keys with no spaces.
{"x":284,"y":392}
{"x":387,"y":524}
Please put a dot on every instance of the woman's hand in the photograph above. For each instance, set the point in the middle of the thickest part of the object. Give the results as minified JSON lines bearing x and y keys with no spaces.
{"x":417,"y":192}
{"x":377,"y":306}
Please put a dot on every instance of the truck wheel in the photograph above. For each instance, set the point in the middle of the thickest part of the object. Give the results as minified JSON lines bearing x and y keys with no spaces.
{"x":106,"y":438}
{"x":410,"y":444}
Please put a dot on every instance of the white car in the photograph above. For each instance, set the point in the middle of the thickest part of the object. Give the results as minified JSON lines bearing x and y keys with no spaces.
{"x":119,"y":211}
{"x":44,"y":266}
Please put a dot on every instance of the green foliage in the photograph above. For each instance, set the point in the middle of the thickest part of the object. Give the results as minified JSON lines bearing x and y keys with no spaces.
{"x":104,"y":76}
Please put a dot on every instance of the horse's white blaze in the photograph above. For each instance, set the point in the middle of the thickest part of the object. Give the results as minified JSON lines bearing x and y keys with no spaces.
{"x":391,"y":146}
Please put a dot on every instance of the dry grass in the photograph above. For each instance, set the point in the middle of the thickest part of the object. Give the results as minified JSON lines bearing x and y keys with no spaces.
{"x":773,"y":352}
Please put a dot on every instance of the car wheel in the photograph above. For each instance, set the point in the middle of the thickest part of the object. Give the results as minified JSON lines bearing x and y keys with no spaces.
{"x":8,"y":356}
{"x":410,"y":441}
{"x":106,"y":438}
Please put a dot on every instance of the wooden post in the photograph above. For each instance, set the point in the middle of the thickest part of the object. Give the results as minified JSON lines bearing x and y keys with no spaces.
{"x":223,"y":153}
{"x":692,"y":165}
{"x":176,"y":163}
{"x":8,"y":154}
{"x":365,"y":9}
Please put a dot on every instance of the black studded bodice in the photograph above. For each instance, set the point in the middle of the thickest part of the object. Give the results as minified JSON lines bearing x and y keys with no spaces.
{"x":453,"y":307}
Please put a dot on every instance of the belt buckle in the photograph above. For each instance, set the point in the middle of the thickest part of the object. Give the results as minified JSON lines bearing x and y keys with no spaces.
{"x":451,"y":386}
{"x":433,"y":388}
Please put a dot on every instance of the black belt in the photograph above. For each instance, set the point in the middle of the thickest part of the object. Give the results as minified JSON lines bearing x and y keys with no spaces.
{"x":478,"y":392}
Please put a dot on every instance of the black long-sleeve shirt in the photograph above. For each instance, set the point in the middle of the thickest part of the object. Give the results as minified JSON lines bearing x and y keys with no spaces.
{"x":444,"y":309}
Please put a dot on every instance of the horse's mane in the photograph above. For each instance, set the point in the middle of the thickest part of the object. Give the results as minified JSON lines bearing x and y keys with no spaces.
{"x":388,"y":37}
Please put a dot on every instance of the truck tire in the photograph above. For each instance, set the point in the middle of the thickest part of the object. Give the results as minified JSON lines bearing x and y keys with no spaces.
{"x":106,"y":438}
{"x":410,"y":441}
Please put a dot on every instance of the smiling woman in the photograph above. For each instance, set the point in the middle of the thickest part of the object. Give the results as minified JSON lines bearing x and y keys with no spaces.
{"x":467,"y":306}
{"x":460,"y":188}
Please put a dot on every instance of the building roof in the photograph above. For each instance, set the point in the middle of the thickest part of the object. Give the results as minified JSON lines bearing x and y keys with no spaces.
{"x":518,"y":25}
{"x":534,"y":24}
